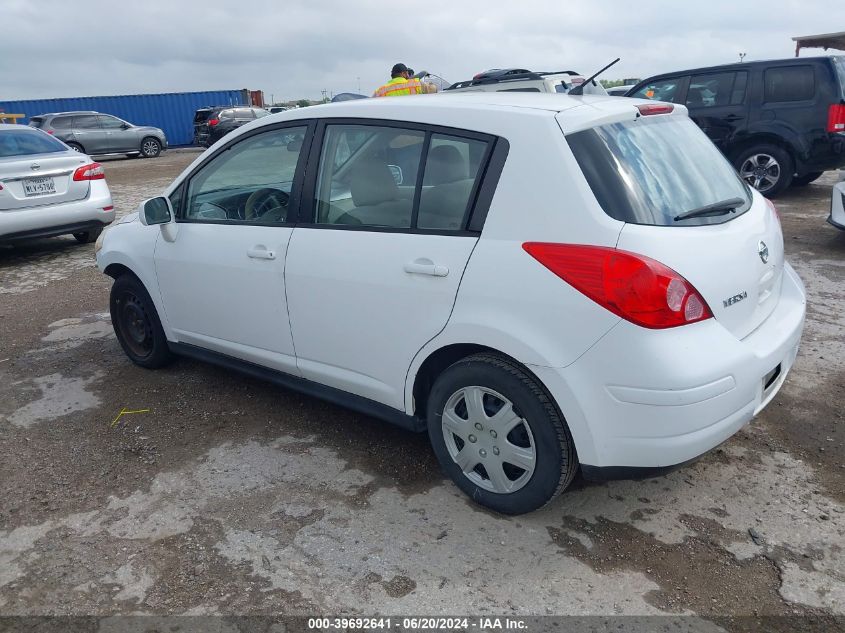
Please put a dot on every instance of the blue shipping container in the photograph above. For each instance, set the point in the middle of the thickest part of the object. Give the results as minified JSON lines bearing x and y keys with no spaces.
{"x":173,"y":112}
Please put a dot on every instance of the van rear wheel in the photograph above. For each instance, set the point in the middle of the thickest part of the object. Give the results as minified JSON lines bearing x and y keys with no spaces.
{"x":498,"y":435}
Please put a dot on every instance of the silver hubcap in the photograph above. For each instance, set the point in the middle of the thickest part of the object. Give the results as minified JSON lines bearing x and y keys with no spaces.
{"x":150,"y":148}
{"x":489,"y":440}
{"x":761,"y":171}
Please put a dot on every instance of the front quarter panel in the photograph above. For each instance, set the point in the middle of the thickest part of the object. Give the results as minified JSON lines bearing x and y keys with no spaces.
{"x":131,"y":244}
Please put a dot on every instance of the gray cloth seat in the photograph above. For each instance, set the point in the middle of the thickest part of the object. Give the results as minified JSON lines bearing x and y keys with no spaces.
{"x":376,"y":196}
{"x":445,"y":164}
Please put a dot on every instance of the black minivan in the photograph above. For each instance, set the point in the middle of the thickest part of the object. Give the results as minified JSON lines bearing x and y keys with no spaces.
{"x":780,"y":122}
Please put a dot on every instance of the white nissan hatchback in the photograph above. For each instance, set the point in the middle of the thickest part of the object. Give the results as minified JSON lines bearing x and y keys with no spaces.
{"x":543,"y":282}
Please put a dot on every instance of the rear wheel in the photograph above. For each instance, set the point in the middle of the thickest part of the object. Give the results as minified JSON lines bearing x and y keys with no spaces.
{"x":150,"y":147}
{"x":806,"y":179}
{"x":76,"y":147}
{"x":767,"y":168}
{"x":136,"y":323}
{"x":87,"y":237}
{"x":499,"y":436}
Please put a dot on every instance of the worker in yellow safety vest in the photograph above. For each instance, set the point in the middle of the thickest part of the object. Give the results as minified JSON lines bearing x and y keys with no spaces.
{"x":402,"y":84}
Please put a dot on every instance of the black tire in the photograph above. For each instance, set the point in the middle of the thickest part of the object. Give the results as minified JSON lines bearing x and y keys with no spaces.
{"x":136,"y":323}
{"x":555,"y":462}
{"x":806,"y":179}
{"x":76,"y":147}
{"x":150,"y":147}
{"x":87,"y":237}
{"x":748,"y":160}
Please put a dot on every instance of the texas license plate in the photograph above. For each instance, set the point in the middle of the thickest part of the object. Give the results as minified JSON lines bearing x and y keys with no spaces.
{"x":38,"y":186}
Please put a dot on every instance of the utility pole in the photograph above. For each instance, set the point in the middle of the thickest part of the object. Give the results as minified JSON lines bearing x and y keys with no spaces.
{"x":324,"y":95}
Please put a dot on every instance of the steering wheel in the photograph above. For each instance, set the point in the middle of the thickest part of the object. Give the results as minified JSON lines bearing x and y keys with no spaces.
{"x":265,"y":201}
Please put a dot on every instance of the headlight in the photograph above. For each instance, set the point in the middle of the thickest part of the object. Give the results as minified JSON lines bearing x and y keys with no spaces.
{"x":99,"y":243}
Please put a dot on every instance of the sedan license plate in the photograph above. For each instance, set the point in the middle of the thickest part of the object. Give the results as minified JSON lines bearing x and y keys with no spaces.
{"x":38,"y":186}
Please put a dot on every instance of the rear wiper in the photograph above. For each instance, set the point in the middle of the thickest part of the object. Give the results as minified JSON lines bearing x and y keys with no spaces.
{"x":717,"y":208}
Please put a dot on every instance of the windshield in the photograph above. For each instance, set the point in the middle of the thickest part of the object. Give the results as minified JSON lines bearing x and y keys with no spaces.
{"x":653,"y":169}
{"x":26,"y":142}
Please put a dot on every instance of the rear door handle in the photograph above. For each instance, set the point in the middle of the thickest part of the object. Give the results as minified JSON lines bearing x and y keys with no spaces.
{"x":424,"y":266}
{"x":733,"y":117}
{"x":260,"y":252}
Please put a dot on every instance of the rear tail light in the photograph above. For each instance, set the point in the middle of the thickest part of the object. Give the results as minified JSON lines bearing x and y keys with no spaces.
{"x":91,"y":171}
{"x":109,"y":208}
{"x":213,"y":122}
{"x":634,"y":287}
{"x":50,"y":131}
{"x":647,"y":109}
{"x":836,"y":118}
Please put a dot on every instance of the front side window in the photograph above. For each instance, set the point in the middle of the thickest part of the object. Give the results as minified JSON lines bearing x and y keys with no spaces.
{"x":370,"y":176}
{"x":653,"y":170}
{"x":716,"y":89}
{"x":662,"y":89}
{"x":61,"y":123}
{"x":27,"y":142}
{"x":110,"y":123}
{"x":249,"y":183}
{"x":788,"y":83}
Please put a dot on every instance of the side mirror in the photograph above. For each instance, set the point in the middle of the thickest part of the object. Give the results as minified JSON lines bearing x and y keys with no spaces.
{"x":396,"y":171}
{"x":125,"y":126}
{"x":156,"y":211}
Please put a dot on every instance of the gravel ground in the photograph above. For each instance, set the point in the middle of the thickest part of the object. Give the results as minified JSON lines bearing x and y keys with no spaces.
{"x":231,"y":496}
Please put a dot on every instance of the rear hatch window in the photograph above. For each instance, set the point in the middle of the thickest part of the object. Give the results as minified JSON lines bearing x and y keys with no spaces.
{"x":27,"y":143}
{"x":201,"y":116}
{"x":659,"y":171}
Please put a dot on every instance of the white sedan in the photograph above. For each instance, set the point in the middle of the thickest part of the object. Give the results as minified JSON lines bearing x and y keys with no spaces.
{"x":48,"y":189}
{"x":542,"y":282}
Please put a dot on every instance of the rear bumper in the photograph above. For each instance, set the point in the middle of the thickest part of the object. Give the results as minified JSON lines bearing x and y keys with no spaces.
{"x":59,"y":219}
{"x":837,"y":206}
{"x":655,"y":399}
{"x":825,"y":154}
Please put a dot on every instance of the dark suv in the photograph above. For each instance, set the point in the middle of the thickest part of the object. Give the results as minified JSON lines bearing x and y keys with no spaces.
{"x":212,"y":124}
{"x":780,"y":122}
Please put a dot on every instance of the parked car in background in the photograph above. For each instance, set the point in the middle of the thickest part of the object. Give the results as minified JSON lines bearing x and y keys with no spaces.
{"x":218,"y":122}
{"x":48,"y":189}
{"x":407,"y":258}
{"x":94,"y":133}
{"x":619,"y":91}
{"x":780,"y":122}
{"x":277,"y":109}
{"x":837,"y":203}
{"x":522,"y":80}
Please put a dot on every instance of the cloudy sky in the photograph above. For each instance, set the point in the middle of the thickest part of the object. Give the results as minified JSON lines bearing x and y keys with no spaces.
{"x":297,"y":48}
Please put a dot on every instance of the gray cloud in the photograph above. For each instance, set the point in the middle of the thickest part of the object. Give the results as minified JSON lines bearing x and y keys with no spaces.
{"x":298,"y":48}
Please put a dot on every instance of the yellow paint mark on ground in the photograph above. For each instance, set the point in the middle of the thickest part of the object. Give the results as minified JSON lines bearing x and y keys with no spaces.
{"x":125,"y":411}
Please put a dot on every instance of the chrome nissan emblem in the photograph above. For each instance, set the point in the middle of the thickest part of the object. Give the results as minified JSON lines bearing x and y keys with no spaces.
{"x":763,"y":251}
{"x":35,"y":167}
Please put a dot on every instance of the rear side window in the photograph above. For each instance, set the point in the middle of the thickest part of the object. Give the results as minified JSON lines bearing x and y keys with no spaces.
{"x":244,"y":113}
{"x":839,"y":67}
{"x":61,"y":123}
{"x":716,"y":89}
{"x":653,"y":169}
{"x":370,"y":176}
{"x":27,"y":143}
{"x":36,"y":121}
{"x":788,"y":83}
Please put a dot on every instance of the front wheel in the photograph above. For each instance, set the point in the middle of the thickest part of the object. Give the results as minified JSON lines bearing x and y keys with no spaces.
{"x":767,"y":168}
{"x":499,"y":436}
{"x":150,"y":147}
{"x":136,"y":323}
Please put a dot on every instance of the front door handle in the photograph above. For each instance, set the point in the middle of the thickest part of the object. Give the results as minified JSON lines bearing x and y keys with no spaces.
{"x":260,"y":252}
{"x":424,"y":266}
{"x":733,"y":117}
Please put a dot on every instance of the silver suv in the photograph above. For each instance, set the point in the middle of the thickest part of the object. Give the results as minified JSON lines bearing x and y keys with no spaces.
{"x":91,"y":133}
{"x":522,"y":80}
